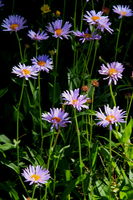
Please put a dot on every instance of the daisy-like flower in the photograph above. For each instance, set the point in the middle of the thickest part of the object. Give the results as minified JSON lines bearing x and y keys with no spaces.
{"x":36,"y":175}
{"x":86,"y":36}
{"x":123,"y":11}
{"x":57,"y":117}
{"x":37,"y":36}
{"x":93,"y":18}
{"x":42,"y":63}
{"x":24,"y":71}
{"x":1,"y":4}
{"x":111,"y":116}
{"x":113,"y":71}
{"x":101,"y":22}
{"x":13,"y":23}
{"x":75,"y":99}
{"x":58,"y":29}
{"x":104,"y":24}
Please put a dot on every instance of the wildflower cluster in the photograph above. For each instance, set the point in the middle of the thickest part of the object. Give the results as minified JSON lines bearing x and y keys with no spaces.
{"x":72,"y":110}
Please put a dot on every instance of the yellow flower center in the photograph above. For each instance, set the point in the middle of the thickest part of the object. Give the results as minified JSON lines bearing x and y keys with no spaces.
{"x":94,"y":18}
{"x":112,"y":71}
{"x":57,"y":119}
{"x":35,"y":177}
{"x":25,"y":72}
{"x":109,"y":118}
{"x":123,"y":13}
{"x":41,"y":63}
{"x":14,"y":26}
{"x":87,"y":35}
{"x":58,"y":31}
{"x":74,"y":101}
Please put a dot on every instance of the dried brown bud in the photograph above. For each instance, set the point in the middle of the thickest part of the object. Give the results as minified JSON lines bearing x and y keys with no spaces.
{"x":84,"y":88}
{"x":95,"y":83}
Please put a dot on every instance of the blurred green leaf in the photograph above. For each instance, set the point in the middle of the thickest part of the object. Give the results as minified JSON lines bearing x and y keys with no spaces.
{"x":3,"y":91}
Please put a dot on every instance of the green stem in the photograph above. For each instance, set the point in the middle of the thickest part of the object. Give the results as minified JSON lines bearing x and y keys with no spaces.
{"x":20,"y":49}
{"x":88,"y":56}
{"x":75,"y":16}
{"x":79,"y":142}
{"x":117,"y":40}
{"x":51,"y":148}
{"x":91,"y":118}
{"x":112,"y":95}
{"x":80,"y":153}
{"x":33,"y":193}
{"x":40,"y":112}
{"x":18,"y":107}
{"x":94,"y":58}
{"x":129,"y":107}
{"x":92,"y":3}
{"x":55,"y":76}
{"x":110,"y":163}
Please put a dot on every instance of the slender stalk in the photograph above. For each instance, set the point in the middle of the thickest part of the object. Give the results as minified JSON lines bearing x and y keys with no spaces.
{"x":112,"y":95}
{"x":51,"y":148}
{"x":94,"y":58}
{"x":20,"y":49}
{"x":110,"y":163}
{"x":91,"y":118}
{"x":117,"y":40}
{"x":129,"y":107}
{"x":75,"y":16}
{"x":92,"y":3}
{"x":17,"y":128}
{"x":33,"y":193}
{"x":88,"y":56}
{"x":80,"y":153}
{"x":79,"y":142}
{"x":55,"y":76}
{"x":40,"y":112}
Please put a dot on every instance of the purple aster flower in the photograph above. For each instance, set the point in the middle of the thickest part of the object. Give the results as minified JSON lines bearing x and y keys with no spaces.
{"x":25,"y":71}
{"x":38,"y":36}
{"x":104,"y":24}
{"x":42,"y":63}
{"x":1,"y":4}
{"x":122,"y":11}
{"x":113,"y":71}
{"x":93,"y":18}
{"x":36,"y":175}
{"x":85,"y":36}
{"x":57,"y":117}
{"x":111,"y":116}
{"x":73,"y":98}
{"x":58,"y":29}
{"x":13,"y":23}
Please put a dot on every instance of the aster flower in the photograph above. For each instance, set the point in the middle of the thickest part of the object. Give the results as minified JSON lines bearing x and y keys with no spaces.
{"x":24,"y":71}
{"x":93,"y":18}
{"x":111,"y":116}
{"x":58,"y":29}
{"x":38,"y":36}
{"x":42,"y":63}
{"x":86,"y":36}
{"x":123,"y":11}
{"x":13,"y":23}
{"x":104,"y":24}
{"x":36,"y":175}
{"x":1,"y":4}
{"x":113,"y":71}
{"x":57,"y":117}
{"x":75,"y":99}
